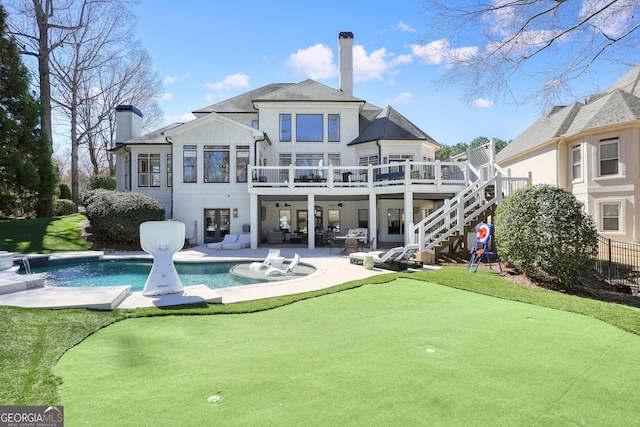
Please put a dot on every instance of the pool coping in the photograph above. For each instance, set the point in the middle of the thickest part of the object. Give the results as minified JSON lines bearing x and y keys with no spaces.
{"x":331,"y":269}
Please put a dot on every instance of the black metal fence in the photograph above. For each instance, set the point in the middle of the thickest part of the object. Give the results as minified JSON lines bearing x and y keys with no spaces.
{"x":619,"y":262}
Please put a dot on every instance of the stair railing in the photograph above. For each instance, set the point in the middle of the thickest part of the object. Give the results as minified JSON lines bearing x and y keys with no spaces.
{"x":451,"y":218}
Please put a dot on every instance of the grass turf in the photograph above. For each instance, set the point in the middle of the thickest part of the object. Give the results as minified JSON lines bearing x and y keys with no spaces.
{"x":405,"y":352}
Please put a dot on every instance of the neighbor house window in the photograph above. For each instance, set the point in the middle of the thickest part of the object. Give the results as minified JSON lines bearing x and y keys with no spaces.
{"x":334,"y":127}
{"x":334,"y":159}
{"x":285,"y":127}
{"x":309,"y":127}
{"x":148,"y":170}
{"x":576,"y":163}
{"x":609,"y":157}
{"x":169,"y":170}
{"x":242,"y":162}
{"x":610,"y":216}
{"x":189,"y":164}
{"x":216,"y":163}
{"x":127,"y":185}
{"x":254,"y":124}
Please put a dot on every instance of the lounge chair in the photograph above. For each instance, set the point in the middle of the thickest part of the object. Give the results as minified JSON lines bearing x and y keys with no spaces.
{"x":272,"y":271}
{"x":402,"y":261}
{"x":273,"y":253}
{"x":379,"y":257}
{"x":228,"y":239}
{"x":244,"y":241}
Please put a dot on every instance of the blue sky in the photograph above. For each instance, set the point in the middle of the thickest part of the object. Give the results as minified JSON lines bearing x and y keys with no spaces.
{"x":206,"y":51}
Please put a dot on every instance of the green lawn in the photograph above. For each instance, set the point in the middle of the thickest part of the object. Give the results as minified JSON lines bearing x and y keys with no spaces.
{"x":384,"y":336}
{"x":43,"y":235}
{"x":406,"y":352}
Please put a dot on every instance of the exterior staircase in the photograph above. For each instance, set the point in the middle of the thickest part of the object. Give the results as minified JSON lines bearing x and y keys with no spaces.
{"x":447,"y":228}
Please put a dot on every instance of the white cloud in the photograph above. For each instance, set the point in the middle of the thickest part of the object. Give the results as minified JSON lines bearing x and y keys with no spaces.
{"x":180,"y":119}
{"x":440,"y":51}
{"x":403,"y":98}
{"x":404,"y":27}
{"x":169,"y":80}
{"x":165,"y":97}
{"x":482,"y":103}
{"x":615,"y":19}
{"x":233,"y":81}
{"x":315,"y":62}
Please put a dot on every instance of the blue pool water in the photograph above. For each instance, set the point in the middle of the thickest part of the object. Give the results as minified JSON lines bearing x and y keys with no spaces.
{"x":135,"y":272}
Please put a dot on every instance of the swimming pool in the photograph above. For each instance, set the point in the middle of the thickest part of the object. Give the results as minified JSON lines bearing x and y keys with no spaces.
{"x":134,"y":272}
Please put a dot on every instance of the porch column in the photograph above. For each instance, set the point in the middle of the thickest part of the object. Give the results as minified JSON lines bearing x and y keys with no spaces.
{"x":373,"y":219}
{"x":311,"y":221}
{"x":254,"y":212}
{"x":409,"y":236}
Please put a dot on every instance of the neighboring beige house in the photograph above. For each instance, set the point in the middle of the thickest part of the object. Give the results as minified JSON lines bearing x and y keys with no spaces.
{"x":592,"y":149}
{"x":294,"y":162}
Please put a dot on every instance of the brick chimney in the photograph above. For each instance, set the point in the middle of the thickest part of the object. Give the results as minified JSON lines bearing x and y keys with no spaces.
{"x":345,"y":58}
{"x":128,"y":123}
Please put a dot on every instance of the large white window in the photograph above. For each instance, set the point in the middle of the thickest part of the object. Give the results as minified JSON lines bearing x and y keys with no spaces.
{"x":368,"y":160}
{"x":334,"y":127}
{"x":148,"y":170}
{"x":610,"y":216}
{"x":242,"y":162}
{"x":576,"y":163}
{"x":216,"y":163}
{"x":285,"y":127}
{"x":309,"y":128}
{"x":609,"y":156}
{"x":189,"y":163}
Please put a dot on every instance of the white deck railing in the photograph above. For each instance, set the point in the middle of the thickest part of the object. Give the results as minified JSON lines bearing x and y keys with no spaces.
{"x":440,"y":174}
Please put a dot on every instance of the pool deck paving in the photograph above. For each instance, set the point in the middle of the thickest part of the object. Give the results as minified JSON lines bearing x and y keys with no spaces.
{"x":332,"y":268}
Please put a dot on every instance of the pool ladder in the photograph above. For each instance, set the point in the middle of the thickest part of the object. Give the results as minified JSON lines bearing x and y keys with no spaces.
{"x":27,"y":265}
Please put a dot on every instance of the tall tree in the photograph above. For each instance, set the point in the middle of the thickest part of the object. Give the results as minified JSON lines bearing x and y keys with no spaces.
{"x":27,"y":175}
{"x":551,"y":46}
{"x":103,"y":46}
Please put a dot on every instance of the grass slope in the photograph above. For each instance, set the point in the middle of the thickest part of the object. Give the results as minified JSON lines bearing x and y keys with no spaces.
{"x":402,"y":353}
{"x":43,"y":235}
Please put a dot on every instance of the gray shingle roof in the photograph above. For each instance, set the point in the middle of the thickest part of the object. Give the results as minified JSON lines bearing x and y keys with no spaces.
{"x":619,"y":103}
{"x":308,"y":90}
{"x":242,"y":103}
{"x":151,"y":138}
{"x":388,"y":124}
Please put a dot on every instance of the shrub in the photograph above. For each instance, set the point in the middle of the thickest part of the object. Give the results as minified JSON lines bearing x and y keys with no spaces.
{"x":544,"y":230}
{"x":101,"y":181}
{"x":65,"y":191}
{"x":116,"y":216}
{"x":63,"y":207}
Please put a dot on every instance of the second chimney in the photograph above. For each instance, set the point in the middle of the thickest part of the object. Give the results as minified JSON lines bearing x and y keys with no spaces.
{"x":345,"y":51}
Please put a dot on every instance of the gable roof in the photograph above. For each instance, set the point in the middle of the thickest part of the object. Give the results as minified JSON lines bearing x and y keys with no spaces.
{"x":619,"y":103}
{"x":388,"y":124}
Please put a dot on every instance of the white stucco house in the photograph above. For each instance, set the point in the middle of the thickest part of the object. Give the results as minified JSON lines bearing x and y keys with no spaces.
{"x":294,"y":162}
{"x":592,"y":149}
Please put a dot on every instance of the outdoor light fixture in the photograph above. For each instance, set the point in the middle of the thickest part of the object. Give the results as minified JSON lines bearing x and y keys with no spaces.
{"x":235,"y":213}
